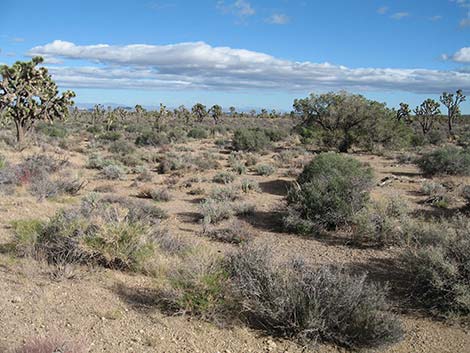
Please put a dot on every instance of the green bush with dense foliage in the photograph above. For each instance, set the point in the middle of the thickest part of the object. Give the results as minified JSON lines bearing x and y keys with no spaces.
{"x":331,"y":189}
{"x":448,"y":160}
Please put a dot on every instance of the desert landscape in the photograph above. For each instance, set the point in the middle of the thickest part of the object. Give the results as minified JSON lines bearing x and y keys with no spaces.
{"x":336,"y":222}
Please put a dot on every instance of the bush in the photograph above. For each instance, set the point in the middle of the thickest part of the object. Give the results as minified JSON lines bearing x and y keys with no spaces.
{"x":152,"y":138}
{"x":331,"y":190}
{"x":307,"y":303}
{"x":439,"y":267}
{"x":237,"y":233}
{"x":198,"y":133}
{"x":225,"y":193}
{"x":223,"y":178}
{"x":250,"y":140}
{"x":214,"y":211}
{"x":122,"y":147}
{"x":265,"y":169}
{"x":380,"y":223}
{"x":445,"y":160}
{"x":155,"y":194}
{"x":248,"y":185}
{"x":114,"y":172}
{"x":97,"y":232}
{"x":110,"y":136}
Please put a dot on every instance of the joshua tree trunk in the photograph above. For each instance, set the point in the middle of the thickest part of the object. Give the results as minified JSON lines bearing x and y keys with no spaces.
{"x":20,"y":132}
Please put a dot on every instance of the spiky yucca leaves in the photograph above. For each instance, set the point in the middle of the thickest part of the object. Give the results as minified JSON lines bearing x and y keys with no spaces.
{"x":28,"y":94}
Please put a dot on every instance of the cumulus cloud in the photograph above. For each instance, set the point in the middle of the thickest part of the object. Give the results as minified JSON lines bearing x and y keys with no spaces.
{"x":197,"y":65}
{"x":278,"y":19}
{"x":461,"y":56}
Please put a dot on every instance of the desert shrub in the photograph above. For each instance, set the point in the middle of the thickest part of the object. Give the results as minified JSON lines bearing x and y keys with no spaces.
{"x":110,"y":136}
{"x":331,"y":190}
{"x":198,"y":288}
{"x":45,"y":187}
{"x":52,"y":344}
{"x":380,"y":223}
{"x":156,"y":194}
{"x":170,"y":162}
{"x":265,"y":169}
{"x":113,"y":172}
{"x":51,"y":130}
{"x":439,"y":267}
{"x":309,"y":304}
{"x":198,"y":133}
{"x":97,"y":232}
{"x":445,"y":160}
{"x":137,"y":211}
{"x":205,"y":161}
{"x":152,"y":138}
{"x":3,"y":161}
{"x":248,"y":185}
{"x":285,"y":158}
{"x":121,"y":147}
{"x":466,"y":194}
{"x":144,"y":174}
{"x":215,"y":211}
{"x":243,"y":208}
{"x":37,"y":166}
{"x":236,"y":163}
{"x":169,"y":242}
{"x":250,"y":140}
{"x":225,"y":193}
{"x":105,"y":188}
{"x":251,"y":159}
{"x":176,"y":135}
{"x":275,"y":135}
{"x":236,"y":233}
{"x":223,"y":178}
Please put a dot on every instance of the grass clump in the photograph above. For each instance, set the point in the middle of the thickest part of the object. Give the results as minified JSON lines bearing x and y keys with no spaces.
{"x":310,"y":304}
{"x":214,"y":211}
{"x":448,"y":160}
{"x":330,"y":191}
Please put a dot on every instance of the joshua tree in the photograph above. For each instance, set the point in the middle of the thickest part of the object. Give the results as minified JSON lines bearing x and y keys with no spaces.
{"x":233,"y":111}
{"x":160,"y":116}
{"x":453,"y":106}
{"x":199,"y":111}
{"x":216,"y":113}
{"x":28,"y":94}
{"x":426,"y":114}
{"x":183,"y":113}
{"x":403,"y":113}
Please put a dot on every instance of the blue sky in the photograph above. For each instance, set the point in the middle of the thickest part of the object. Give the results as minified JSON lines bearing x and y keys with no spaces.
{"x":245,"y":53}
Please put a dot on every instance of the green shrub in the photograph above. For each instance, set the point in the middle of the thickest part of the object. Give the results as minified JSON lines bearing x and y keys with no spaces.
{"x":248,"y":185}
{"x":51,"y":130}
{"x":99,"y":232}
{"x":198,"y":133}
{"x":265,"y":169}
{"x":122,"y":147}
{"x":114,"y":172}
{"x":380,"y":223}
{"x":252,"y":140}
{"x":445,"y":160}
{"x":309,"y":304}
{"x":439,"y":267}
{"x":215,"y":211}
{"x":331,"y":190}
{"x":225,"y":193}
{"x":152,"y":138}
{"x":111,"y":136}
{"x":223,"y":178}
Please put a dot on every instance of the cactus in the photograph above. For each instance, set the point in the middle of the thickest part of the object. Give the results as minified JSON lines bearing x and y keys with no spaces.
{"x":28,"y":94}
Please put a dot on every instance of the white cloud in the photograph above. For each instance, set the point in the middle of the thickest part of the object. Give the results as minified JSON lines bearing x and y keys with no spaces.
{"x":197,"y":65}
{"x":278,"y":19}
{"x":382,"y":10}
{"x":461,"y":56}
{"x":435,"y":18}
{"x":465,"y":22}
{"x":400,"y":15}
{"x":240,"y":8}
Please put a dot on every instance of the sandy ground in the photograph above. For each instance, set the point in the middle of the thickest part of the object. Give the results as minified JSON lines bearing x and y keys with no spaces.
{"x":116,"y":312}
